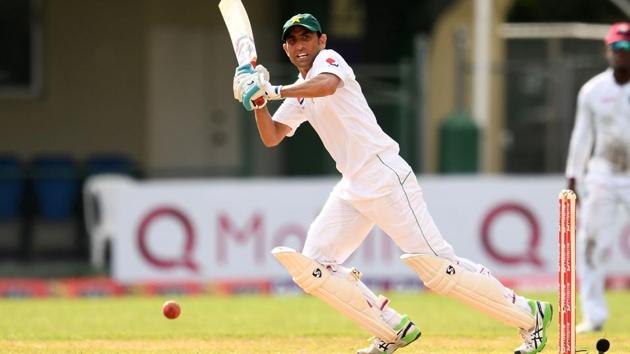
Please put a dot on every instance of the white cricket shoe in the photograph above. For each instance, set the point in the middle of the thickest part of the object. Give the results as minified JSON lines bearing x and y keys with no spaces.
{"x":407,"y":333}
{"x":587,"y":326}
{"x":536,"y":339}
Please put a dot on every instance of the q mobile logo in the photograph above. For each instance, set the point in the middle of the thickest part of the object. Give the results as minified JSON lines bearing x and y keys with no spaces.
{"x":228,"y":235}
{"x":332,"y":62}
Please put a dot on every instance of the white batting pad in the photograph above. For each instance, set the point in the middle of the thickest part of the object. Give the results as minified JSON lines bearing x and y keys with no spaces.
{"x":446,"y":277}
{"x":343,"y":294}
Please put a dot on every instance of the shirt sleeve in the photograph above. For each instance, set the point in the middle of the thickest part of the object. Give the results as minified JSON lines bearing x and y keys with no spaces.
{"x":290,"y":113}
{"x":582,"y":139}
{"x":329,"y":61}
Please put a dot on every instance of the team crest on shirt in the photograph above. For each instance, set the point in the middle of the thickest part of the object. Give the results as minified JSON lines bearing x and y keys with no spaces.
{"x":332,"y":62}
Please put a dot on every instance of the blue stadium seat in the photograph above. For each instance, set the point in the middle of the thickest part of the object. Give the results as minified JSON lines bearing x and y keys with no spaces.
{"x":11,"y":187}
{"x":110,"y":163}
{"x":56,"y":186}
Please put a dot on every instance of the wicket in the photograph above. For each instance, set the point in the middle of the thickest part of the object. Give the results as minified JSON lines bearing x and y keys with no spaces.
{"x":566,"y":273}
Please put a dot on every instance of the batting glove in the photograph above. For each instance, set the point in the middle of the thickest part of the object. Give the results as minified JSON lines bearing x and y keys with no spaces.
{"x":252,"y":92}
{"x":241,"y":74}
{"x":272,"y":92}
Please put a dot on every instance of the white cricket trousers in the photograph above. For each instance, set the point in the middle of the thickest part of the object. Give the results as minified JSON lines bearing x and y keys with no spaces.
{"x":600,"y":211}
{"x":399,"y":210}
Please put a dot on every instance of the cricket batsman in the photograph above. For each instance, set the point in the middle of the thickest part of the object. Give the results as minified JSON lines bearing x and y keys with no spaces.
{"x":377,"y":188}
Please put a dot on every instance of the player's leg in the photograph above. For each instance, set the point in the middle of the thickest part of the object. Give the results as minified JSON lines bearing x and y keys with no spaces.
{"x":404,"y":216}
{"x":402,"y":212}
{"x":336,"y":232}
{"x":598,"y":215}
{"x":334,"y":235}
{"x":473,"y":284}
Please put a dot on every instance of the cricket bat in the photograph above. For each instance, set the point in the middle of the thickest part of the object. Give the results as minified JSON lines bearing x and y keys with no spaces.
{"x":240,"y":30}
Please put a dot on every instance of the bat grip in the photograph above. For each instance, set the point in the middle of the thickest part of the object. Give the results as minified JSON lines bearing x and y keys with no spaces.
{"x":260,"y":100}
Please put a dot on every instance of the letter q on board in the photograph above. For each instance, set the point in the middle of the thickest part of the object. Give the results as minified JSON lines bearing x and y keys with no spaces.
{"x":185,"y":259}
{"x":530,"y":255}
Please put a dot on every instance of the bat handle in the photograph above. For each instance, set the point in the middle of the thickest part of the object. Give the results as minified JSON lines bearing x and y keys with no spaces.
{"x":260,"y":100}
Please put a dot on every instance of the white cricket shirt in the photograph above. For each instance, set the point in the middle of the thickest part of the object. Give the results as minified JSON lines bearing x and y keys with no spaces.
{"x":344,"y":121}
{"x":600,"y":141}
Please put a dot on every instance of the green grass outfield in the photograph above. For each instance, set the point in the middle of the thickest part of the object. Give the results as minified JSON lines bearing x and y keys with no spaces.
{"x":261,"y":324}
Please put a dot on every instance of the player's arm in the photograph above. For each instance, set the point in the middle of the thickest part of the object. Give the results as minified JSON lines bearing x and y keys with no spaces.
{"x":250,"y":84}
{"x":271,"y":132}
{"x":581,"y":144}
{"x":321,"y":85}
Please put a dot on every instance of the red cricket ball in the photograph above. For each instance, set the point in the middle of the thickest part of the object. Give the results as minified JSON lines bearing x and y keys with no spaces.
{"x":171,"y":309}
